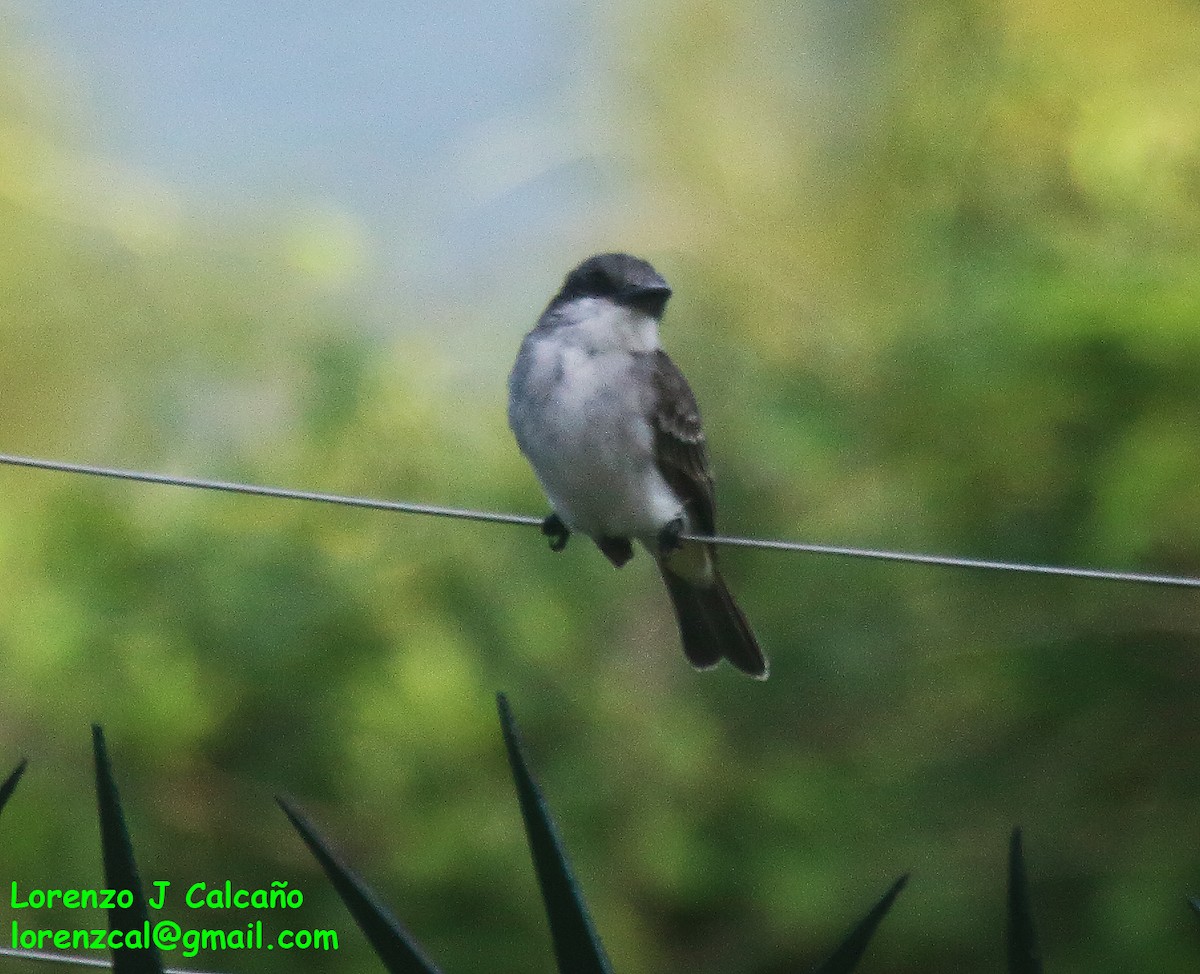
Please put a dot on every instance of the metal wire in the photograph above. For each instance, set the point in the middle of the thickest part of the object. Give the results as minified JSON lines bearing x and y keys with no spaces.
{"x":405,"y":507}
{"x":254,"y":490}
{"x":56,"y":958}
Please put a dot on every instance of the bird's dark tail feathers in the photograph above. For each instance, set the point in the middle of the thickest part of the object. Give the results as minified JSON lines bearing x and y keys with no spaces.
{"x":711,"y":625}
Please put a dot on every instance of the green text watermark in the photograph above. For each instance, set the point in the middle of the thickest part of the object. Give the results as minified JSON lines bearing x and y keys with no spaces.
{"x":166,"y":935}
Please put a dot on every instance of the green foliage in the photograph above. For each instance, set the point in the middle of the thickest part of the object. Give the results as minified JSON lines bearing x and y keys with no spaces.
{"x":935,"y":288}
{"x":394,"y":946}
{"x":121,"y":872}
{"x":1023,"y":954}
{"x":577,"y":946}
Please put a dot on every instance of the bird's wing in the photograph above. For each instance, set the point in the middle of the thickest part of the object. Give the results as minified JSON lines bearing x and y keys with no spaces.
{"x":680,"y":450}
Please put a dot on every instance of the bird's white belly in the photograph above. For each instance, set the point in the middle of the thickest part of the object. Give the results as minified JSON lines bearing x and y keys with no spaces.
{"x":592,"y":446}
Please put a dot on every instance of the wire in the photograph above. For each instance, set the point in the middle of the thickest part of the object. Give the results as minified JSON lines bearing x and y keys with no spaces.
{"x":254,"y":490}
{"x":403,"y":507}
{"x":952,"y":561}
{"x":56,"y":958}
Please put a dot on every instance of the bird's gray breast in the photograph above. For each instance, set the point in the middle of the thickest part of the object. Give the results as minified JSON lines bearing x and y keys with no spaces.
{"x":582,"y":417}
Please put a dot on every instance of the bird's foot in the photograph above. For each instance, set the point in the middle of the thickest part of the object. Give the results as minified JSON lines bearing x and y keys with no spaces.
{"x":670,"y":537}
{"x":616,"y":550}
{"x":558,"y":533}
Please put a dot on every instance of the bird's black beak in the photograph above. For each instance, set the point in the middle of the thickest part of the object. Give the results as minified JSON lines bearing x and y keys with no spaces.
{"x":650,"y":298}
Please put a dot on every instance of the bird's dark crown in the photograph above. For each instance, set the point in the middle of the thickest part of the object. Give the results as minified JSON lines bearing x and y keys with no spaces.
{"x":620,"y":278}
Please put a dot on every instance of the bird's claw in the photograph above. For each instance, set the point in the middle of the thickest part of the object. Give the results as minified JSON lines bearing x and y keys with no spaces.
{"x":670,"y":537}
{"x":558,"y":533}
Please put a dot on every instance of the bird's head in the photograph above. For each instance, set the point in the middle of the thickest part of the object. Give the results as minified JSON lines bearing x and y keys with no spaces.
{"x":624,"y":280}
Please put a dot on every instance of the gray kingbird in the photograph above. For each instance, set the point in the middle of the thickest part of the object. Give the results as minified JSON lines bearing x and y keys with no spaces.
{"x":613,"y":433}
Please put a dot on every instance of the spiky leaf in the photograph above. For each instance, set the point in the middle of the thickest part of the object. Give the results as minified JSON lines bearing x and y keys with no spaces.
{"x":10,"y":783}
{"x":1023,"y":956}
{"x":850,"y":951}
{"x":396,"y":948}
{"x":120,"y":870}
{"x":577,"y":947}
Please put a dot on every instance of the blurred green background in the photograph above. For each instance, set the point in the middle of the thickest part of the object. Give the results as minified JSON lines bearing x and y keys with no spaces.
{"x":936,"y":288}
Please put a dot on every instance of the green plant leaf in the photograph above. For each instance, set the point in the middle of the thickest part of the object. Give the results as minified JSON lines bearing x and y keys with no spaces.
{"x":850,"y":951}
{"x":390,"y":941}
{"x":577,"y":947}
{"x":10,"y":783}
{"x":120,"y":870}
{"x":1023,"y":956}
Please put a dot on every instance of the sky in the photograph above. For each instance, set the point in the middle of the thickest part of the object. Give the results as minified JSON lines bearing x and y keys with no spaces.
{"x":407,"y":117}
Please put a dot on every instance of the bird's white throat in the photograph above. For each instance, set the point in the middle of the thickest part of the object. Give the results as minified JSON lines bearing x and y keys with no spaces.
{"x":597,"y":325}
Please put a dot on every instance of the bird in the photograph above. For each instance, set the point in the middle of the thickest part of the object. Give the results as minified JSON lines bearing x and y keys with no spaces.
{"x":613,"y":433}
